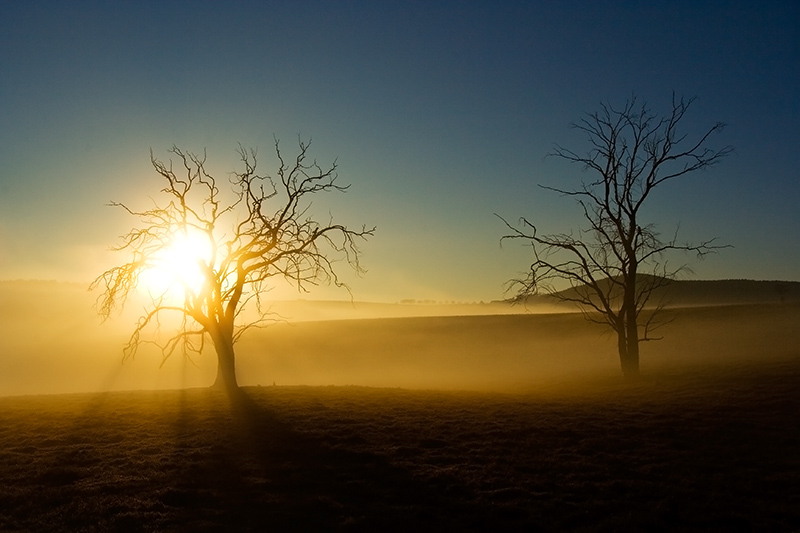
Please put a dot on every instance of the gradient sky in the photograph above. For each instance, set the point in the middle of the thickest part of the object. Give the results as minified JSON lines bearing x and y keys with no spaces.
{"x":440,"y":114}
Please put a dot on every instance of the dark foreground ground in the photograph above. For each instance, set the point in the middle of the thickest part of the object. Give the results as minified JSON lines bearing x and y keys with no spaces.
{"x":692,"y":450}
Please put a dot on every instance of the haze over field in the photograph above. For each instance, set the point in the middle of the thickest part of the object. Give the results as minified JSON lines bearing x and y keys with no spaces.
{"x":433,"y":119}
{"x":303,"y":225}
{"x":53,"y":342}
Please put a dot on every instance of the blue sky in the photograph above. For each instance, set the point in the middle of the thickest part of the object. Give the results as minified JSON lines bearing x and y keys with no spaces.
{"x":440,"y":114}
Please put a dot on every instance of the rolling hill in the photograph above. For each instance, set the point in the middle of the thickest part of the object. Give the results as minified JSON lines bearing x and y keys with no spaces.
{"x":691,"y":293}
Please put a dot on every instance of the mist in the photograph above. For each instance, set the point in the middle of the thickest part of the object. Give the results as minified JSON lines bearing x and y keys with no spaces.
{"x":54,"y":342}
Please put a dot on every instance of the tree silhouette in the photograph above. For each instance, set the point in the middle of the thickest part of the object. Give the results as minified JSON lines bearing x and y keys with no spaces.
{"x":614,"y":266}
{"x":258,"y":229}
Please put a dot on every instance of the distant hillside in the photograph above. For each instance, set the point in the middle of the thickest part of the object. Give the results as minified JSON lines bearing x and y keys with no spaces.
{"x":41,"y":298}
{"x":29,"y":300}
{"x":679,"y":293}
{"x":732,"y":291}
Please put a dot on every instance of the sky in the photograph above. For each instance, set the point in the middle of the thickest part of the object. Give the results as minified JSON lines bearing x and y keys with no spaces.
{"x":439,"y":115}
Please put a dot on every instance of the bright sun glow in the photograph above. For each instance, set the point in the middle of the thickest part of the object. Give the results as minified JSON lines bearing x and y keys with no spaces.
{"x":177,"y":267}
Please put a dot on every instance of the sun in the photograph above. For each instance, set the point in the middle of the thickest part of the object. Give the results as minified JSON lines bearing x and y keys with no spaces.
{"x":177,"y":269}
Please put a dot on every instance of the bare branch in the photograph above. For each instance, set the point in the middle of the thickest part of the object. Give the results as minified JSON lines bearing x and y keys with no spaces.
{"x":616,"y":266}
{"x":260,"y":229}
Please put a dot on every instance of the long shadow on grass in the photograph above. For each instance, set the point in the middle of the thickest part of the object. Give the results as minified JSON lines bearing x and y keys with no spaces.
{"x":252,"y":471}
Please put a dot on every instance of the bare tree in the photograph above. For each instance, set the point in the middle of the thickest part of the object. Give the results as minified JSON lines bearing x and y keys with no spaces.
{"x":614,"y":265}
{"x":258,"y":229}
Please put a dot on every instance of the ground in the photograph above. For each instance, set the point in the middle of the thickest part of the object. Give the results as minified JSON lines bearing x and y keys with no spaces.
{"x":700,"y":448}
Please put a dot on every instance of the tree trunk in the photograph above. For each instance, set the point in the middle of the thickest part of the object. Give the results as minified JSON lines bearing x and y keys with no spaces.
{"x":630,"y":359}
{"x":622,"y":346}
{"x":628,"y":355}
{"x":226,"y":365}
{"x":630,"y":362}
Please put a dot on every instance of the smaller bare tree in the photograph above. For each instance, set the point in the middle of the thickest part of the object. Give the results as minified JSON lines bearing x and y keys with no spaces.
{"x":614,"y":266}
{"x":222,"y":248}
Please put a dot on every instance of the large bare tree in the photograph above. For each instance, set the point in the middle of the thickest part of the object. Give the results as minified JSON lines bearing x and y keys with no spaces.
{"x":615,"y":264}
{"x":220,"y":245}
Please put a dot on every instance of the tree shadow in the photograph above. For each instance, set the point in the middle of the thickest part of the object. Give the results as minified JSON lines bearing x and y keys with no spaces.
{"x":254,"y":471}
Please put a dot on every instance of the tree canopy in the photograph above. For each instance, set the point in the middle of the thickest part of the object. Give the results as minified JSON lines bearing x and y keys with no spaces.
{"x":220,"y":243}
{"x":617,"y":260}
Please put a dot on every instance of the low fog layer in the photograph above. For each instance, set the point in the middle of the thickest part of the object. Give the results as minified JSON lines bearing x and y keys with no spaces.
{"x":54,"y":342}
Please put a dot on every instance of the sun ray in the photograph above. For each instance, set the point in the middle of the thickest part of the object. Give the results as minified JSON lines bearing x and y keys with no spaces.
{"x":177,"y":269}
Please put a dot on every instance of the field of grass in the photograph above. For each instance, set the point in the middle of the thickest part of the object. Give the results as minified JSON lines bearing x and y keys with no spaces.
{"x":491,"y":423}
{"x":689,"y":450}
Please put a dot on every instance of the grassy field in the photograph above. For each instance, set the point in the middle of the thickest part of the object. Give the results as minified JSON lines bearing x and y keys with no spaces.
{"x":492,"y":423}
{"x":691,"y":450}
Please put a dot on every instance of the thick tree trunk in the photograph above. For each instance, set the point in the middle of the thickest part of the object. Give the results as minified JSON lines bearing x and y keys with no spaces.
{"x":628,"y":347}
{"x":622,"y":346}
{"x":630,"y":359}
{"x":226,"y":365}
